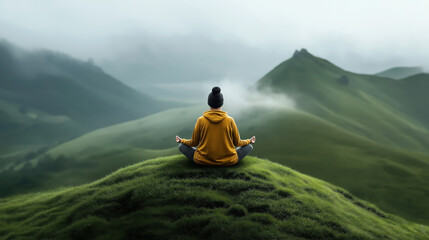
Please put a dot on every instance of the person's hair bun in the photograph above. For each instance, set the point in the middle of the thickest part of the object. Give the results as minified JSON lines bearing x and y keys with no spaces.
{"x":216,"y":90}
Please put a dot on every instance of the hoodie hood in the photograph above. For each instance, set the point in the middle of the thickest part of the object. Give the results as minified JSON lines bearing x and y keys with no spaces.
{"x":215,"y":116}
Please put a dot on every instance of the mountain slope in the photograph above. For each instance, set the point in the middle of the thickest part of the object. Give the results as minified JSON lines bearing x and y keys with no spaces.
{"x":393,"y":179}
{"x":170,"y":197}
{"x":44,"y":83}
{"x":99,"y":152}
{"x":417,"y":99}
{"x":376,"y":108}
{"x":400,"y":72}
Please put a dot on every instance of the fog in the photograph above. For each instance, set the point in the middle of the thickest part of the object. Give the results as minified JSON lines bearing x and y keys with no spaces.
{"x":151,"y":45}
{"x":238,"y":97}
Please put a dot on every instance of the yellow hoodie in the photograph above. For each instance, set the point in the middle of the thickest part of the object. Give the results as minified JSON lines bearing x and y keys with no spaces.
{"x":217,"y":136}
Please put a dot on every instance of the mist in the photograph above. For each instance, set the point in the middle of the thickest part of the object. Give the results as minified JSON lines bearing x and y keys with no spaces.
{"x":149,"y":43}
{"x":239,"y":97}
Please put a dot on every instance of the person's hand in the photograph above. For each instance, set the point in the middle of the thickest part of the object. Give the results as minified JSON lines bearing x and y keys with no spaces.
{"x":178,"y":139}
{"x":252,"y":139}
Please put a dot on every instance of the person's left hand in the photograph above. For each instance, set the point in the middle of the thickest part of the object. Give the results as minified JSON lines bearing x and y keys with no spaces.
{"x":178,"y":139}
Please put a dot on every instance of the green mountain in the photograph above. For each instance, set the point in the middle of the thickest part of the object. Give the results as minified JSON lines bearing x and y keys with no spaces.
{"x":383,"y":110}
{"x":400,"y":72}
{"x":171,"y":198}
{"x":48,"y":97}
{"x":59,"y":85}
{"x":365,"y":133}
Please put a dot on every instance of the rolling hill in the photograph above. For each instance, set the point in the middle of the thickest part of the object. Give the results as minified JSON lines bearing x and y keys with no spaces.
{"x":400,"y":72}
{"x":171,"y":198}
{"x":383,"y":110}
{"x":365,"y":133}
{"x":393,"y":179}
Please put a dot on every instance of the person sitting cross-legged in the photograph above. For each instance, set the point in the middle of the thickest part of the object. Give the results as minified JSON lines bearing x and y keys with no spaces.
{"x":216,"y":136}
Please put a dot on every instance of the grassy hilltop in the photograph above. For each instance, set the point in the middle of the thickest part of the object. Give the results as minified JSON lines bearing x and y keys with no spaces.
{"x":364,"y":133}
{"x":171,"y":198}
{"x":293,"y":138}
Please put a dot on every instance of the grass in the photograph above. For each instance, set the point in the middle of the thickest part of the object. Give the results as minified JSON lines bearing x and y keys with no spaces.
{"x":393,"y":179}
{"x":98,"y":153}
{"x":172,"y":198}
{"x":367,"y":134}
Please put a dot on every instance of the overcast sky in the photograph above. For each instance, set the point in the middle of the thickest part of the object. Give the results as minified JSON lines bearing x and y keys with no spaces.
{"x":157,"y":42}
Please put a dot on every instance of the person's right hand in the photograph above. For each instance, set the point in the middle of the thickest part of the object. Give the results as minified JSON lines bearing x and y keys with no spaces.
{"x":252,"y":139}
{"x":178,"y":139}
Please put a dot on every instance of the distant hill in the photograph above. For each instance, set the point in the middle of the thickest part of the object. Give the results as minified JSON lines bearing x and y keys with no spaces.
{"x":48,"y":96}
{"x":171,"y":198}
{"x":417,"y":99}
{"x":400,"y":72}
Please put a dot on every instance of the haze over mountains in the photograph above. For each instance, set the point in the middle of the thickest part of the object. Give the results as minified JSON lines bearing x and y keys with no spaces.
{"x":46,"y":97}
{"x":366,"y":133}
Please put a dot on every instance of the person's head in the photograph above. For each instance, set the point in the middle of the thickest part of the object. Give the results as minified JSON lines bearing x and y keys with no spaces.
{"x":215,"y":99}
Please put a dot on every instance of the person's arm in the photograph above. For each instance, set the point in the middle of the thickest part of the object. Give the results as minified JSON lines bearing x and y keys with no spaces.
{"x":236,"y":136}
{"x":195,"y":140}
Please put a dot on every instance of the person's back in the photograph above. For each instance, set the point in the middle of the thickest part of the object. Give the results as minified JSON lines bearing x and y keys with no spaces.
{"x":216,"y":135}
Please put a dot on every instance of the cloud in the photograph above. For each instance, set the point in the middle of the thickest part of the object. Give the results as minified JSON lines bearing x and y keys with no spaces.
{"x":145,"y":41}
{"x":240,"y":96}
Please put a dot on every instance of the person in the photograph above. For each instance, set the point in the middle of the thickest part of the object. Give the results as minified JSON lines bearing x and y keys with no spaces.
{"x":216,"y":136}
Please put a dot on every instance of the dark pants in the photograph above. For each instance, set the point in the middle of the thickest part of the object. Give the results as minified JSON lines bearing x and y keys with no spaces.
{"x":189,"y":151}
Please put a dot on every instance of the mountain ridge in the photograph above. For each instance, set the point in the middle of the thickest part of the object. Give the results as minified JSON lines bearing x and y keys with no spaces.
{"x":41,"y":85}
{"x":50,"y":72}
{"x":359,"y":103}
